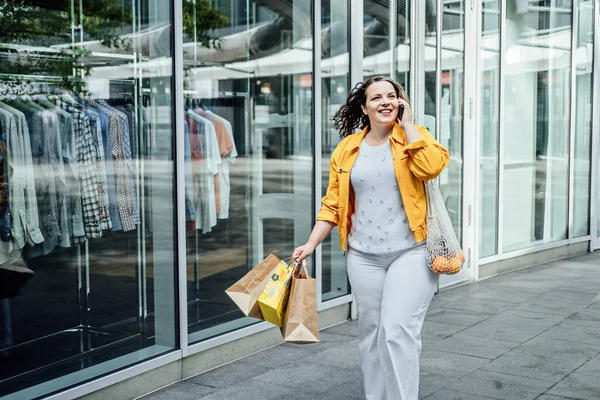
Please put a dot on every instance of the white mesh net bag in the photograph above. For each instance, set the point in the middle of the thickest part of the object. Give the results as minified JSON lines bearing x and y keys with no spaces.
{"x":444,"y":255}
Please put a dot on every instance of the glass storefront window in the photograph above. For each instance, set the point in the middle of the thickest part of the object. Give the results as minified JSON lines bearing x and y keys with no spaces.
{"x":402,"y":51}
{"x":536,"y":124}
{"x":584,"y":56}
{"x":248,"y":120}
{"x":431,"y":82}
{"x":335,"y":85}
{"x":384,"y":54}
{"x":87,"y":263}
{"x":451,"y":107}
{"x":489,"y":128}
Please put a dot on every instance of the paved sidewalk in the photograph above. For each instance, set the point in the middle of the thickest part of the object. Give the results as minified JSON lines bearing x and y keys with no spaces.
{"x":532,"y":334}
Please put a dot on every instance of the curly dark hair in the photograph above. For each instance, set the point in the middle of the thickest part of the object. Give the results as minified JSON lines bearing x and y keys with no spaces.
{"x":350,"y":116}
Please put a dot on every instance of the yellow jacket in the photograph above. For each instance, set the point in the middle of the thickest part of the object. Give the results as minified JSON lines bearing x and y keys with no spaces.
{"x":414,"y":164}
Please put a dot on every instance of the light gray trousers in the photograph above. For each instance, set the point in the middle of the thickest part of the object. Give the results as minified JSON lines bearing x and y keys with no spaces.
{"x":392,"y":293}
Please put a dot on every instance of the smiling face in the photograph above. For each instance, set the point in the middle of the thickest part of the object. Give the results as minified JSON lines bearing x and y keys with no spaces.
{"x":381,"y":103}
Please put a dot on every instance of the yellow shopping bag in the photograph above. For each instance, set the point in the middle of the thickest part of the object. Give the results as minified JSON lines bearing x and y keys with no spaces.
{"x":273,"y":300}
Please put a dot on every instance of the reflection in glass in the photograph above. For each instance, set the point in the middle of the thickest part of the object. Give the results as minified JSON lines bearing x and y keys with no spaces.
{"x":382,"y":55}
{"x":583,"y":119}
{"x":376,"y":39}
{"x":86,"y":202}
{"x":334,"y":89}
{"x":402,"y":50}
{"x":536,"y":149}
{"x":431,"y":67}
{"x":490,"y":107}
{"x":451,"y":107}
{"x":248,"y":118}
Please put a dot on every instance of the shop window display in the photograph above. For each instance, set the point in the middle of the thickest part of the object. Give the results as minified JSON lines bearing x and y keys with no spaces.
{"x":248,"y":122}
{"x":86,"y":144}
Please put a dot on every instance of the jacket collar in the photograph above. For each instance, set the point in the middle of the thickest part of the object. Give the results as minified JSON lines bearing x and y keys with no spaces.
{"x":356,"y":139}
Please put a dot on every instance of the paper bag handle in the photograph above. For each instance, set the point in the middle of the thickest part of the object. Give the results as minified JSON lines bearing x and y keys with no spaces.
{"x":302,"y":265}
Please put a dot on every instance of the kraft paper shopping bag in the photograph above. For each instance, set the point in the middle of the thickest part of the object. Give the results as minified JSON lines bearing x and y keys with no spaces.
{"x":246,"y":291}
{"x":301,"y":324}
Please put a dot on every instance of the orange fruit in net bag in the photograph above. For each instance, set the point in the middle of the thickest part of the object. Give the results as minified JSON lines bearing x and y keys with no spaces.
{"x":440,"y":264}
{"x":460,"y":255}
{"x":454,"y":264}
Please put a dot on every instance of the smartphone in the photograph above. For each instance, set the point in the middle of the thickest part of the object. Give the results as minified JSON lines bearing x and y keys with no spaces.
{"x":401,"y":112}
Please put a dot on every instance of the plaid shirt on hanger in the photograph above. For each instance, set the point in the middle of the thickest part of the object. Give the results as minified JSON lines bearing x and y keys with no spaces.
{"x":125,"y":197}
{"x":88,"y":178}
{"x":105,"y":222}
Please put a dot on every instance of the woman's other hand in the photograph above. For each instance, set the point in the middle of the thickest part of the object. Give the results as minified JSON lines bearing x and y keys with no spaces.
{"x":407,"y":116}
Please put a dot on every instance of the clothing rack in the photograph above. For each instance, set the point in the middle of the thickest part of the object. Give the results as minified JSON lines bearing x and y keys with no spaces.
{"x":84,"y":327}
{"x":198,"y":300}
{"x":40,"y":78}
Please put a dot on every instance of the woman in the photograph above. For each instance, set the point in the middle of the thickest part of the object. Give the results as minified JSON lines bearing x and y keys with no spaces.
{"x":377,"y":200}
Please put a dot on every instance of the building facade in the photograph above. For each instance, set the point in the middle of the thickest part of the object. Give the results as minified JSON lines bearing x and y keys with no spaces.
{"x":155,"y":151}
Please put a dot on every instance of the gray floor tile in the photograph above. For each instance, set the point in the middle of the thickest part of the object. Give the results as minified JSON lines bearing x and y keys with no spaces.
{"x":474,"y":346}
{"x":181,"y":391}
{"x":456,"y":317}
{"x":428,"y":341}
{"x":552,"y":397}
{"x":309,"y":377}
{"x":596,"y":305}
{"x":578,"y":386}
{"x":327,"y":340}
{"x":528,"y":285}
{"x":277,"y":357}
{"x":587,"y":317}
{"x":456,"y":293}
{"x":548,"y":368}
{"x":548,"y":277}
{"x":449,"y":364}
{"x":554,"y":307}
{"x":575,"y":333}
{"x":590,"y":258}
{"x":480,"y":305}
{"x":328,"y":336}
{"x":439,"y":330}
{"x":559,"y":303}
{"x":253,"y":389}
{"x":296,"y":395}
{"x":349,"y":328}
{"x":500,"y":386}
{"x":552,"y":269}
{"x":228,"y":375}
{"x":583,"y":286}
{"x":571,"y":295}
{"x":504,"y":294}
{"x":452,"y":395}
{"x":343,"y":356}
{"x":569,"y":263}
{"x":353,"y":390}
{"x":430,"y":383}
{"x":586,"y":270}
{"x":544,"y":345}
{"x":592,"y":367}
{"x":513,"y":326}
